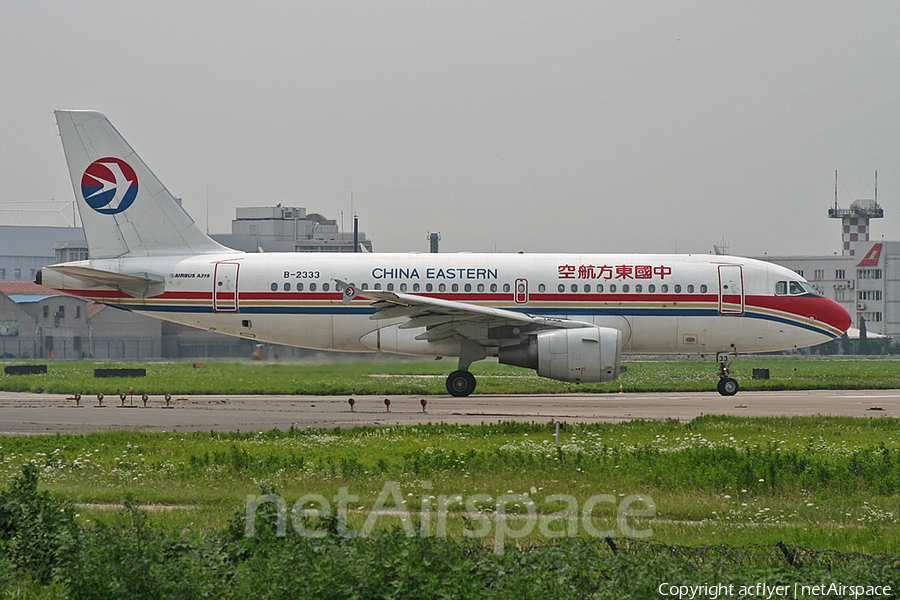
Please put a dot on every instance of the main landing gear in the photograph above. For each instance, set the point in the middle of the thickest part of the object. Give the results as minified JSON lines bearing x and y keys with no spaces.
{"x":727,"y":386}
{"x":461,"y":383}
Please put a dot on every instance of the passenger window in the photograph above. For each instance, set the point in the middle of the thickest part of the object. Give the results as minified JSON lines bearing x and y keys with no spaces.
{"x":561,"y":288}
{"x":365,"y":286}
{"x":300,"y":287}
{"x":638,"y":288}
{"x":542,"y":288}
{"x":429,"y":287}
{"x":402,"y":287}
{"x":377,"y":286}
{"x":454,"y":287}
{"x":287,"y":287}
{"x":574,"y":287}
{"x":625,"y":289}
{"x":690,"y":289}
{"x":480,"y":287}
{"x":325,"y":287}
{"x":312,"y":287}
{"x":390,"y":287}
{"x":493,"y":287}
{"x":415,"y":287}
{"x":612,"y":288}
{"x":468,"y":287}
{"x":442,"y":287}
{"x":599,"y":288}
{"x":677,"y":288}
{"x":664,"y":288}
{"x":651,"y":288}
{"x":506,"y":288}
{"x":703,"y":289}
{"x":274,"y":287}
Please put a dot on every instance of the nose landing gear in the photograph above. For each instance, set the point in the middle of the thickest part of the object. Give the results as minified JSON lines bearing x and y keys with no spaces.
{"x":727,"y":386}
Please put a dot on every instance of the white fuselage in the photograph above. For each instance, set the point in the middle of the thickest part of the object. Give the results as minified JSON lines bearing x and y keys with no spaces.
{"x":661,"y":303}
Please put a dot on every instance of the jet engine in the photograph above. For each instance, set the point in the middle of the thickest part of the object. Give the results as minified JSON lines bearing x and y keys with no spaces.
{"x":580,"y":355}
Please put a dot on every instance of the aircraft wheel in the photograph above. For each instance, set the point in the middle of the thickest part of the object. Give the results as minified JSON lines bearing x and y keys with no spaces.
{"x":460,"y":383}
{"x":727,"y":386}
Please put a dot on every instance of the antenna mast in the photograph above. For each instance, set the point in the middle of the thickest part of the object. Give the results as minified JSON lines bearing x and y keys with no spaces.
{"x":835,"y":190}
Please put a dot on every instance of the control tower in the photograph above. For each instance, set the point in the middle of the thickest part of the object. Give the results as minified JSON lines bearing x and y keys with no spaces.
{"x":856,"y":218}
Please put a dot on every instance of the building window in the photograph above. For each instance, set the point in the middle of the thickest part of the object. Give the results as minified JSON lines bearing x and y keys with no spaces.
{"x":18,"y":273}
{"x":2,"y":274}
{"x":840,"y":295}
{"x":62,"y":312}
{"x":868,"y":273}
{"x":819,"y":274}
{"x":799,"y":272}
{"x":840,"y":274}
{"x":870,"y":317}
{"x":46,"y":311}
{"x":77,"y":312}
{"x":868,"y":295}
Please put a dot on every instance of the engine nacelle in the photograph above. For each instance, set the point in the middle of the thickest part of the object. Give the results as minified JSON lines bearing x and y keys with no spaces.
{"x":581,"y":355}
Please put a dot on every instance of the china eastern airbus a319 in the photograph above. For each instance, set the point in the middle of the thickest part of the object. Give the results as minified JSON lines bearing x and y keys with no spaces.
{"x":570,"y":317}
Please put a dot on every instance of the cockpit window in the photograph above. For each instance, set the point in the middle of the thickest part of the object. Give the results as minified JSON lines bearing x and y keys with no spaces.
{"x":795,"y":288}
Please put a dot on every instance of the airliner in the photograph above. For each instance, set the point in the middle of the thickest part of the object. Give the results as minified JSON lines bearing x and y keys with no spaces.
{"x":569,"y":317}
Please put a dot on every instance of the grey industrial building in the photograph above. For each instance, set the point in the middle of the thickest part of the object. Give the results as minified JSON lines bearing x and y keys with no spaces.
{"x":864,"y":278}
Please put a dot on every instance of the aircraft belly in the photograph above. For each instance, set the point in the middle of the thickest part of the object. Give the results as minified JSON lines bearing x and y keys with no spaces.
{"x":653,"y":334}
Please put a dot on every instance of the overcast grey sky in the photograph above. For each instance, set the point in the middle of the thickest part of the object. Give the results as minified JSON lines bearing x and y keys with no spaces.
{"x":534,"y":126}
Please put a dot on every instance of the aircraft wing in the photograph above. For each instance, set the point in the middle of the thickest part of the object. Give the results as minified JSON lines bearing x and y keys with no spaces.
{"x":443,"y":319}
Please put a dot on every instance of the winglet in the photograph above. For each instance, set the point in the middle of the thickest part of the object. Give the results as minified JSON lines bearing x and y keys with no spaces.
{"x":350,"y":292}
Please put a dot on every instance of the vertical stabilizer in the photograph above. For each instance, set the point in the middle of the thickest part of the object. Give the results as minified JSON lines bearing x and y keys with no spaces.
{"x":124,"y":208}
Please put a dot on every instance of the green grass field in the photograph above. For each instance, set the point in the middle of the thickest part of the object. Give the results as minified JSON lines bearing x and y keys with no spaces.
{"x":824,"y":483}
{"x":427,"y":377}
{"x":821,"y":483}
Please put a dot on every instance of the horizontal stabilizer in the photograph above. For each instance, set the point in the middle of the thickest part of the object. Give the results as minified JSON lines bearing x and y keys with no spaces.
{"x":138,"y":285}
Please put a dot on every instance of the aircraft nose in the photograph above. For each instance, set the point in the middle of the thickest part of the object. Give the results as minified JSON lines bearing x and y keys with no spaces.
{"x":835,"y":315}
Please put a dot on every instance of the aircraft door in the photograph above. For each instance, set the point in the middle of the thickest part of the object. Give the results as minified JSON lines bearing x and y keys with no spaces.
{"x":225,"y":290}
{"x":731,"y":290}
{"x":521,"y":292}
